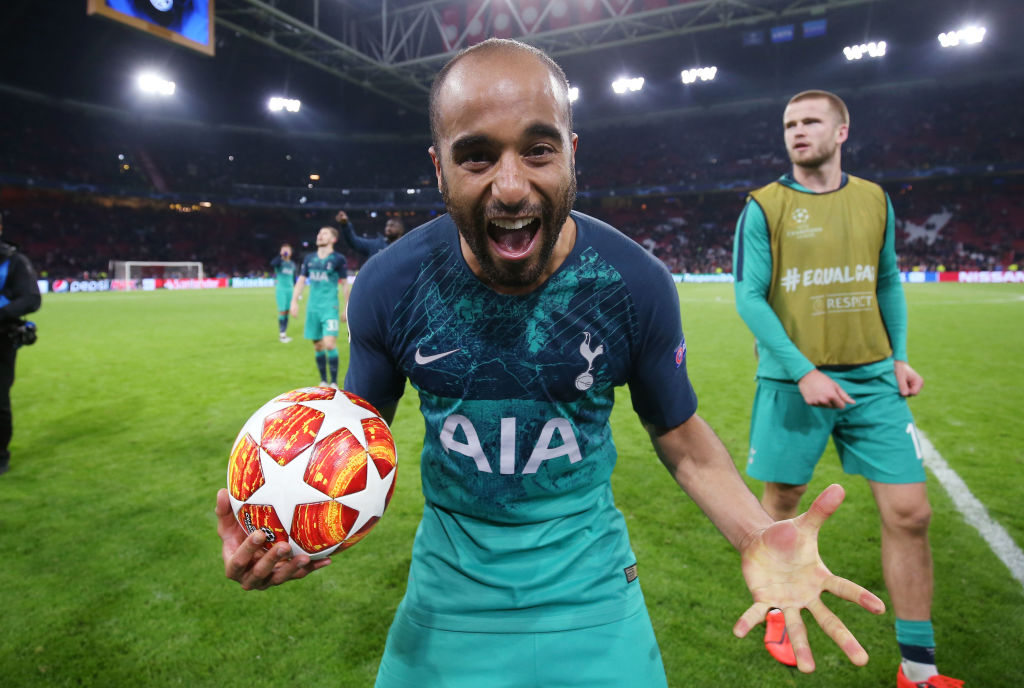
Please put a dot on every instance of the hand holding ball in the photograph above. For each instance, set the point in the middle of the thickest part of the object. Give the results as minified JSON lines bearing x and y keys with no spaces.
{"x":314,"y":467}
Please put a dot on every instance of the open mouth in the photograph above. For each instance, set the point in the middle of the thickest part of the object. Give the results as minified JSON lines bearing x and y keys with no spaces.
{"x":513,"y":238}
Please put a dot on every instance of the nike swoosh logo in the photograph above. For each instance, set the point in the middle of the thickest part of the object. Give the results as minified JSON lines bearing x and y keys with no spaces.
{"x":424,"y":360}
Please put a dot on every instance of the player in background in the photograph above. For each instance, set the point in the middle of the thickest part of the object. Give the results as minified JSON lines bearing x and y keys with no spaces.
{"x":284,"y":273}
{"x":817,"y":283}
{"x":322,"y":270}
{"x":515,"y":319}
{"x":368,"y":246}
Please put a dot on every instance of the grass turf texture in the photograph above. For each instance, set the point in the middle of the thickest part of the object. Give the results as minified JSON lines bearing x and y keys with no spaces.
{"x":126,"y":408}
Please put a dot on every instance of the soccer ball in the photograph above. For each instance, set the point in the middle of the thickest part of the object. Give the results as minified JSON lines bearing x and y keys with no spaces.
{"x":314,"y":467}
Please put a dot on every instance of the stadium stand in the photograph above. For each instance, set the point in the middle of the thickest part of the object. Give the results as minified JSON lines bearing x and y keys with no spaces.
{"x":82,"y":184}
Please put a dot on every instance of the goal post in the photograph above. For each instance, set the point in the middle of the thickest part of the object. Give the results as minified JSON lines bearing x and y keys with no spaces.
{"x":127,"y":274}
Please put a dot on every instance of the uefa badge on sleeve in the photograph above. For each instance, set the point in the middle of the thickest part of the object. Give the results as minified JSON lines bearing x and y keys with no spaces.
{"x":681,"y":353}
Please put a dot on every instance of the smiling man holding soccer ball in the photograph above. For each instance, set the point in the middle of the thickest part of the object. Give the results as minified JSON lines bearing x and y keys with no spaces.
{"x":515,"y":319}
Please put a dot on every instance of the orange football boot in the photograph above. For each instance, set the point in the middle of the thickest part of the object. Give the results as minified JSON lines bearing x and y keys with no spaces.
{"x":936,"y":681}
{"x":776,"y":639}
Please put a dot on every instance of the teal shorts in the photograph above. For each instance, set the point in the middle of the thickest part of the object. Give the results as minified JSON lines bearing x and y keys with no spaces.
{"x":615,"y":655}
{"x":320,"y":323}
{"x":284,"y":300}
{"x":875,"y":437}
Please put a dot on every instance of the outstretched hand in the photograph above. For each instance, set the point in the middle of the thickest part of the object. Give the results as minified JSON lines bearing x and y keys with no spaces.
{"x":247,"y":562}
{"x":783,"y":570}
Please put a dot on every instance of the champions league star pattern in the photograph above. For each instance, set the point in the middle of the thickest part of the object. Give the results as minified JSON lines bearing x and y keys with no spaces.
{"x":314,"y":465}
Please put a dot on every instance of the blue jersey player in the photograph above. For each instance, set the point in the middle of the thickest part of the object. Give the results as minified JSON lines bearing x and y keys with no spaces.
{"x":515,"y":319}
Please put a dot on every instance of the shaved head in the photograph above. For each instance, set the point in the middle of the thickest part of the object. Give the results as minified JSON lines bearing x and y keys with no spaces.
{"x":493,"y":47}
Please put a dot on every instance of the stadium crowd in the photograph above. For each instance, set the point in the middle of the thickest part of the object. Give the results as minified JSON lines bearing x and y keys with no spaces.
{"x":83,"y":186}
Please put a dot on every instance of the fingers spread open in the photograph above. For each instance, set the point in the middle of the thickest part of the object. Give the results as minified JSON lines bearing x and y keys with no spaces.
{"x":798,"y":637}
{"x":839,"y":633}
{"x":851,"y":592}
{"x":753,"y":616}
{"x":824,"y":505}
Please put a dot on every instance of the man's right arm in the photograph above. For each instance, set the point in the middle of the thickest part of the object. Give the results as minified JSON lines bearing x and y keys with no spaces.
{"x":752,"y":268}
{"x":373,"y":372}
{"x":364,"y":245}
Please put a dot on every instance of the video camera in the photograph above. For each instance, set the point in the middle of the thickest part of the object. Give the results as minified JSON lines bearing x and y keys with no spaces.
{"x":23,"y":333}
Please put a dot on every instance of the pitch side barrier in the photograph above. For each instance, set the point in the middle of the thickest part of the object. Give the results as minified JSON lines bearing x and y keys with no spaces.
{"x":961,"y":276}
{"x":61,"y":286}
{"x":980,"y":277}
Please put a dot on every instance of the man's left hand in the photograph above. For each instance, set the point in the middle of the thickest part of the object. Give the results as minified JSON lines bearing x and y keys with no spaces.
{"x":783,"y":570}
{"x":909,"y":380}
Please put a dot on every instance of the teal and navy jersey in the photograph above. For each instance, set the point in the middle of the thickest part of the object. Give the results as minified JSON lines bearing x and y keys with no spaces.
{"x":778,"y":357}
{"x":323,"y":275}
{"x":284,"y":273}
{"x":520,"y":531}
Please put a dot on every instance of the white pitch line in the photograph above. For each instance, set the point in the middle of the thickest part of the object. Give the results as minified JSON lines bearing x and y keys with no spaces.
{"x":974,"y":511}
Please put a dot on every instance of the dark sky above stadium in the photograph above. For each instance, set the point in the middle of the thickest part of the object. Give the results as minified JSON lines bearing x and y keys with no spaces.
{"x":52,"y":47}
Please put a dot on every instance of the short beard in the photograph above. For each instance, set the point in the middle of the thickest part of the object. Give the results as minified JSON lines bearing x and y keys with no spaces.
{"x":816,"y":162}
{"x":472,"y":226}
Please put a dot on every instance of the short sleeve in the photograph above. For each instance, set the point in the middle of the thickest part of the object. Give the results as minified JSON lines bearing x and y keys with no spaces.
{"x":372,"y":369}
{"x":660,"y":386}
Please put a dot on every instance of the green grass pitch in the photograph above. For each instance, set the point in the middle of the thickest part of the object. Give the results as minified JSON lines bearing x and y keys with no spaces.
{"x":126,"y":408}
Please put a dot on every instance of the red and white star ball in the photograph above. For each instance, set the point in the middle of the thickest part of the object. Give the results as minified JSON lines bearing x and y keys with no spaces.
{"x":314,"y":467}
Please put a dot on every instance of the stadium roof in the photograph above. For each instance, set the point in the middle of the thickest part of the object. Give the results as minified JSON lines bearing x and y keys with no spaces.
{"x":367,"y":64}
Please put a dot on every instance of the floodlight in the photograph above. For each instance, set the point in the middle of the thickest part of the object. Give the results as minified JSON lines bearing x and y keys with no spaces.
{"x":872,"y":49}
{"x":690,"y":76}
{"x":574,"y":94}
{"x":314,"y":177}
{"x":967,"y":35}
{"x":153,"y":83}
{"x":277,"y":104}
{"x":628,"y":84}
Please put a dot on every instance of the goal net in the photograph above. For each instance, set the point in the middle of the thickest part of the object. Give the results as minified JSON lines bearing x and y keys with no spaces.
{"x":128,"y":274}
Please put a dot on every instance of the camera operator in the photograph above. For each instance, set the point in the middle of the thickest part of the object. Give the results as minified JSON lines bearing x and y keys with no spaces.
{"x":19,"y":296}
